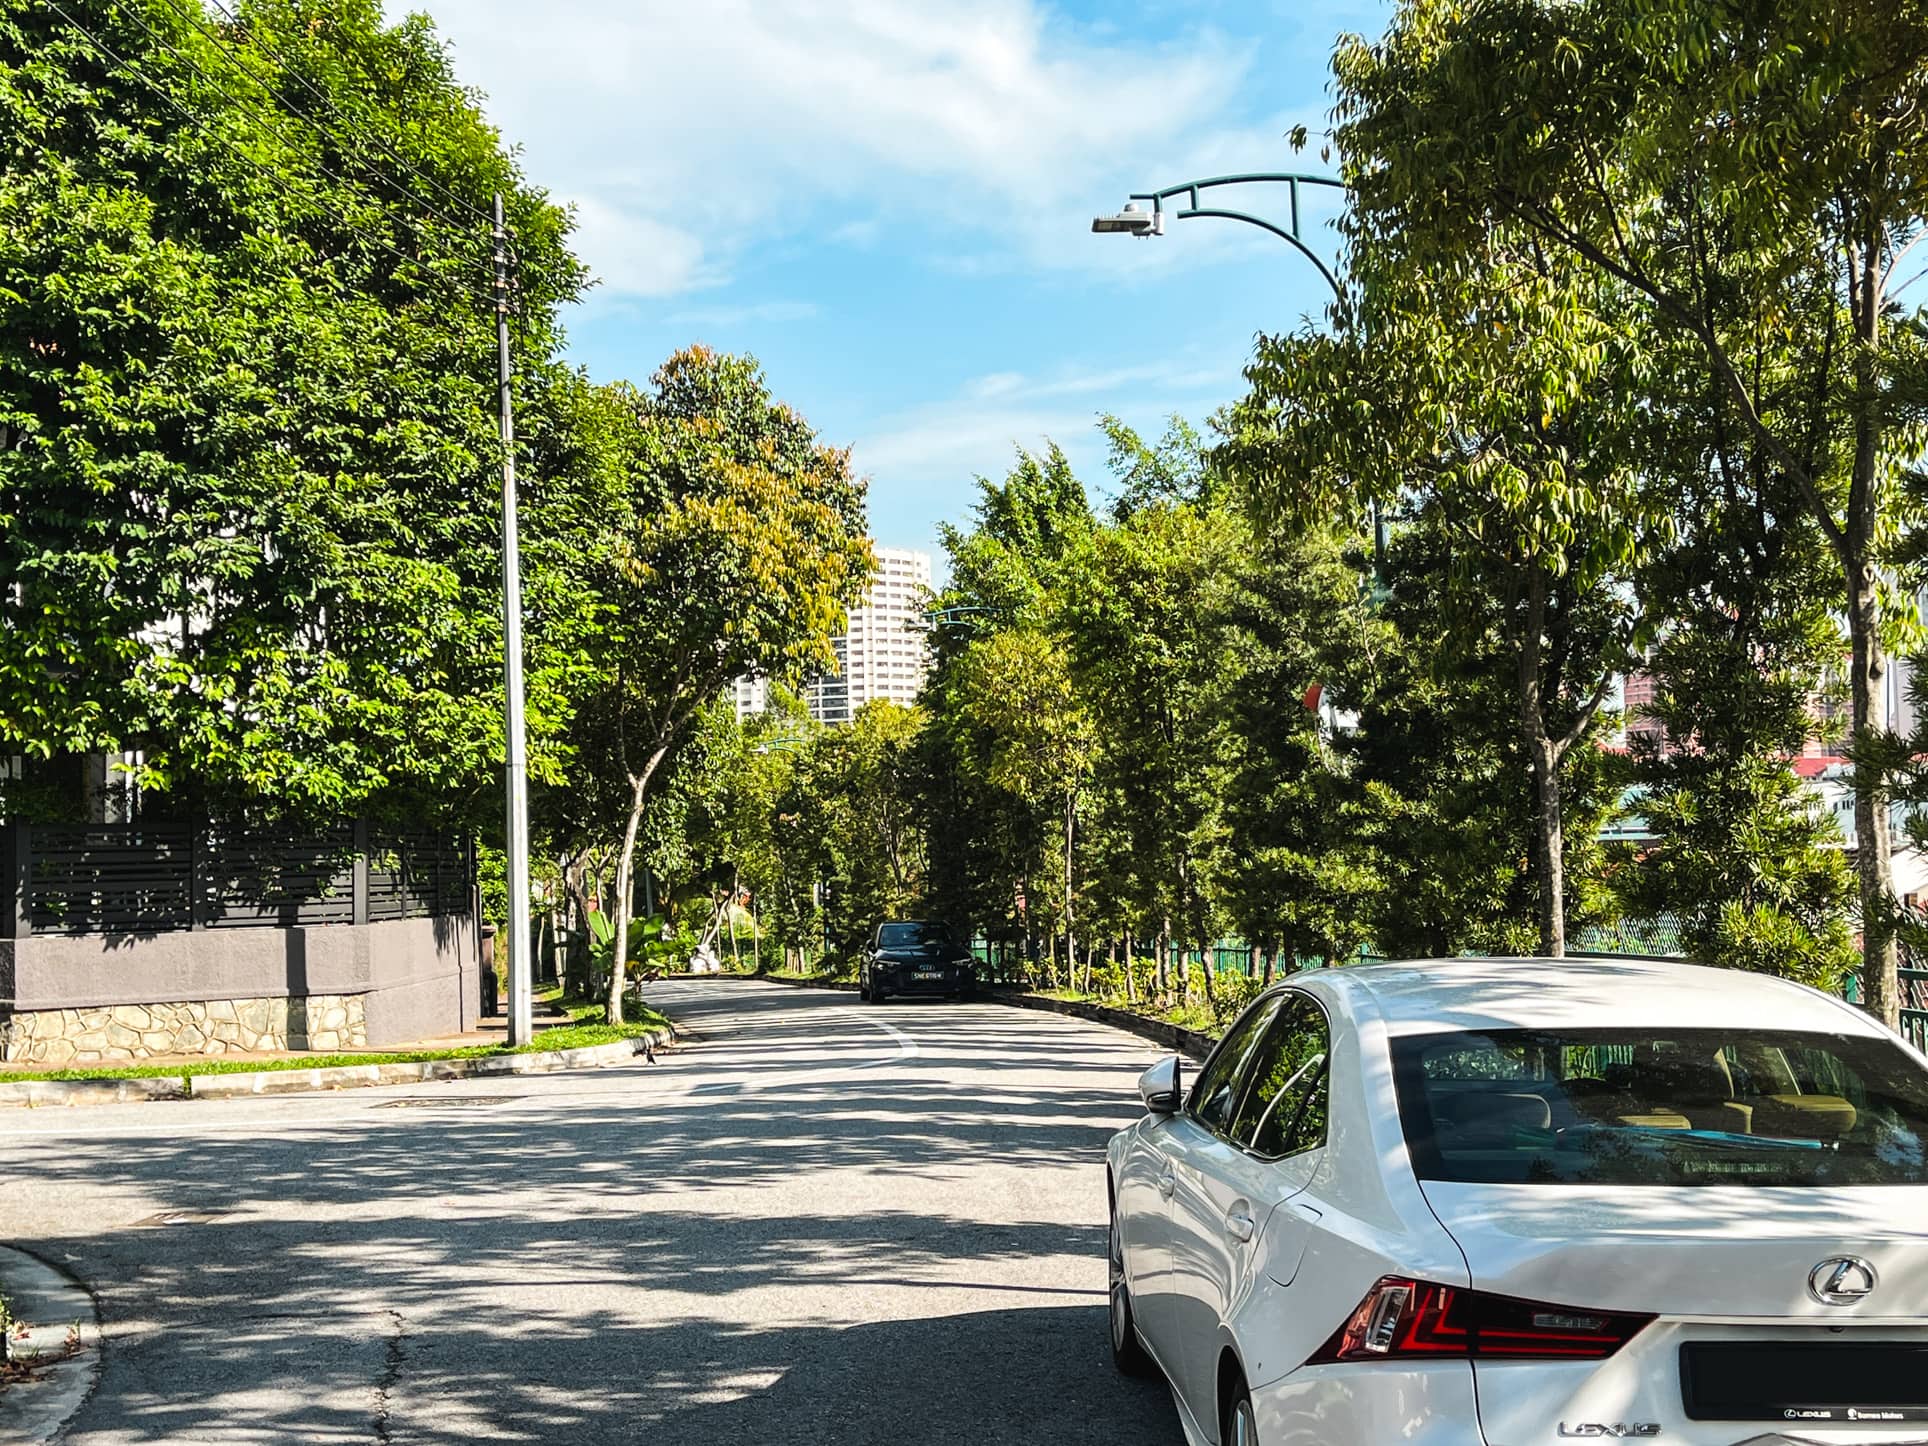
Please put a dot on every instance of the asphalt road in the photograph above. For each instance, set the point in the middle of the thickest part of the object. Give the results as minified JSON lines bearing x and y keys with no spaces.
{"x":816,"y":1222}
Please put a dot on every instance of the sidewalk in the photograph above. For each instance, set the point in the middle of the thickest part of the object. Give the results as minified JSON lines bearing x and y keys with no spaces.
{"x":293,"y":1073}
{"x":56,"y":1359}
{"x":491,"y":1032}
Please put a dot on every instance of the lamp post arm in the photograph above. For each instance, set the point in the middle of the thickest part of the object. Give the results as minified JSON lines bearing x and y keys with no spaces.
{"x":1293,"y":232}
{"x":1192,"y":193}
{"x":1277,"y":230}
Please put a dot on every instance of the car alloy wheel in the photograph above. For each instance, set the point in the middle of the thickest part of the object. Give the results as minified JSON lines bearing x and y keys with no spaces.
{"x":1126,"y":1351}
{"x":1244,"y":1428}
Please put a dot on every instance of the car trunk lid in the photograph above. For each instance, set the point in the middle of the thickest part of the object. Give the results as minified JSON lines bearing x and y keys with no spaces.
{"x":1694,"y":1251}
{"x":1724,"y":1270}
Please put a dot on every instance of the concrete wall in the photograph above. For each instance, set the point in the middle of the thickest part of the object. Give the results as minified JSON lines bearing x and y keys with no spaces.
{"x":417,"y":977}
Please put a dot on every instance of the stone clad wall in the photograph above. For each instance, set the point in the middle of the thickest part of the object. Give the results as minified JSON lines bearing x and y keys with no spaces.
{"x":120,"y":1033}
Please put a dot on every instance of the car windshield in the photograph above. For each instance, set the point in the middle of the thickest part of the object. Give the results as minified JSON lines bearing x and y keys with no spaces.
{"x":1652,"y":1107}
{"x":910,"y":936}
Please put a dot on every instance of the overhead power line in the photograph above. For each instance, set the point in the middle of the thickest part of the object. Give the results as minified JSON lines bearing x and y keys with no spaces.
{"x":287,"y":68}
{"x":470,"y":262}
{"x":198,"y":19}
{"x":112,"y":57}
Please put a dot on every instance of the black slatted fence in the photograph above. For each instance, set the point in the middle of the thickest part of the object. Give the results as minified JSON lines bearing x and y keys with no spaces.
{"x":74,"y":879}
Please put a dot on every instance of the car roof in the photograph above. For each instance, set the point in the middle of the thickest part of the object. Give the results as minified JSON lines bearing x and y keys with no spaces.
{"x":1426,"y":996}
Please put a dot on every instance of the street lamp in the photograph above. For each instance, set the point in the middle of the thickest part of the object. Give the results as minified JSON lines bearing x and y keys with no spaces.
{"x":781,"y":742}
{"x":1131,"y":222}
{"x":963,"y":614}
{"x":1135,"y":221}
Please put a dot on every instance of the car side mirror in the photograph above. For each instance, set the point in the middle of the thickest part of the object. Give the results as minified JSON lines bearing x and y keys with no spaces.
{"x":1158,"y":1087}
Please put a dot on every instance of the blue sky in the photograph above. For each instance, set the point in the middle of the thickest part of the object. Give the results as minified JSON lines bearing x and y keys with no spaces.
{"x":888,"y":202}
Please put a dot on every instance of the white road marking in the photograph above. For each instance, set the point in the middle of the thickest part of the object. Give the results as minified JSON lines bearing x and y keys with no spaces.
{"x":906,"y":1046}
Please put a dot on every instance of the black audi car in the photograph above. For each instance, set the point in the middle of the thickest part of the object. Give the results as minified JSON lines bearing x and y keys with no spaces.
{"x":915,"y":956}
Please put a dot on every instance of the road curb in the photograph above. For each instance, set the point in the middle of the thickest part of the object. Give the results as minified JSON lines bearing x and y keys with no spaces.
{"x":1189,"y":1042}
{"x":70,"y":1092}
{"x":50,"y":1301}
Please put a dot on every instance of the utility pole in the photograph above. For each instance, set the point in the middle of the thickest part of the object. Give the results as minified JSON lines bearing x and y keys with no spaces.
{"x":521,"y":1024}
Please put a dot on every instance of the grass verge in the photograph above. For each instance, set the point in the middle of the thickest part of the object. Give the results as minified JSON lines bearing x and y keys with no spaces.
{"x":1196,"y":1016}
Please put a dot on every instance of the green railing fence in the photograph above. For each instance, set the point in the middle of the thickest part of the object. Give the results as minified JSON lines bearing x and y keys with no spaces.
{"x":1006,"y":962}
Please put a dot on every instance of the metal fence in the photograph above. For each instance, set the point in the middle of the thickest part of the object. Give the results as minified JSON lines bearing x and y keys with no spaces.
{"x":1914,"y":1007}
{"x":1659,"y":936}
{"x":1008,"y":962}
{"x":86,"y":879}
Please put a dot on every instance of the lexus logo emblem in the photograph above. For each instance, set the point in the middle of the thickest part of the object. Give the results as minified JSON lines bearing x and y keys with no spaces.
{"x":1842,"y":1280}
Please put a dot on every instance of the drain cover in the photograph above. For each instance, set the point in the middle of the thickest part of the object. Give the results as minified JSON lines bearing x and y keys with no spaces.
{"x":451,"y":1102}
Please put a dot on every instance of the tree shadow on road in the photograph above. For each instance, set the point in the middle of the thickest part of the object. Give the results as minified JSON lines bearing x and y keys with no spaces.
{"x":615,"y":1259}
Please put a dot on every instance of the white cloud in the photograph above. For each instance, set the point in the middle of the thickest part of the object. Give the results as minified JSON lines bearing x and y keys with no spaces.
{"x":683,"y":129}
{"x":634,"y":254}
{"x":979,"y":430}
{"x":764,"y":311}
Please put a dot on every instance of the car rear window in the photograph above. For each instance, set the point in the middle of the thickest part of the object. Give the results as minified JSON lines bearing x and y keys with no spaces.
{"x":1652,"y":1107}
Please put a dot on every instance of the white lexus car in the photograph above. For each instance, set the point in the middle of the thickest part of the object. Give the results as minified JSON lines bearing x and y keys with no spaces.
{"x":1506,"y":1202}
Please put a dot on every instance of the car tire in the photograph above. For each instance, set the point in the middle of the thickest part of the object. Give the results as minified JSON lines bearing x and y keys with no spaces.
{"x":1128,"y":1353}
{"x":1241,"y":1425}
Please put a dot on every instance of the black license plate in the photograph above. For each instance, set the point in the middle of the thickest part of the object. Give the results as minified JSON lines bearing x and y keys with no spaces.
{"x":1794,"y":1381}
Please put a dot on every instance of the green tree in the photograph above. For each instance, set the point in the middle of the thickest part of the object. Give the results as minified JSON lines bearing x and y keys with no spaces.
{"x":1040,"y":743}
{"x":1486,"y":393}
{"x":741,"y":547}
{"x":987,"y":842}
{"x":1298,"y":877}
{"x":1751,"y":177}
{"x":1141,"y":619}
{"x":1438,"y":757}
{"x":246,"y":410}
{"x":875,"y":855}
{"x":1740,"y":852}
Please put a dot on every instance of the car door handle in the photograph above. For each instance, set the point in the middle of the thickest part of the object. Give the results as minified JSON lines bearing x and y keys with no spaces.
{"x":1168,"y":1183}
{"x":1239,"y":1226}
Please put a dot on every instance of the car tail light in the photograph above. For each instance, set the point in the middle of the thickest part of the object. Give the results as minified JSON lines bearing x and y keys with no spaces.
{"x":1414,"y":1319}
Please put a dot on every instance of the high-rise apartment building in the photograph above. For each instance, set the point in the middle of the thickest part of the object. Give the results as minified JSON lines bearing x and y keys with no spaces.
{"x":884,"y":653}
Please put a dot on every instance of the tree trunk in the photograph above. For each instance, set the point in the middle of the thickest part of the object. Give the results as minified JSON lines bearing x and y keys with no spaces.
{"x":1265,"y":968}
{"x":1131,"y":971}
{"x":576,"y":962}
{"x":756,"y":936}
{"x":1874,"y":866}
{"x":1070,"y":931}
{"x":1543,"y":756}
{"x":1552,"y":850}
{"x":1176,"y":964}
{"x":625,"y":886}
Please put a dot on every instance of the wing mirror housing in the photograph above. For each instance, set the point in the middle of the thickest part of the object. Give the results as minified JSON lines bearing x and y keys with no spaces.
{"x":1159,"y":1088}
